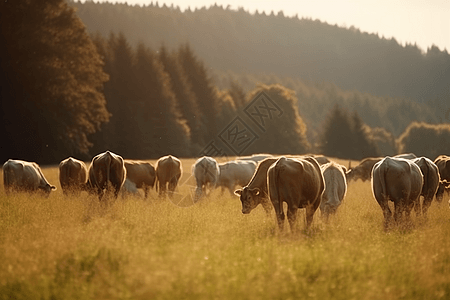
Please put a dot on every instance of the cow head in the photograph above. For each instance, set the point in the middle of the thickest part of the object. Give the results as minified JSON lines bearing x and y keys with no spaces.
{"x":250,"y":198}
{"x":357,"y":173}
{"x":47,"y":188}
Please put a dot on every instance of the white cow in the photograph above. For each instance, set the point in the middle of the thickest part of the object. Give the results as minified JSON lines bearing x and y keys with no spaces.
{"x":234,"y":173}
{"x":19,"y":175}
{"x":335,"y":188}
{"x":206,"y":172}
{"x":398,"y":180}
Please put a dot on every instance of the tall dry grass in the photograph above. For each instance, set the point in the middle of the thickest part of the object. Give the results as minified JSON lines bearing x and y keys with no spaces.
{"x":75,"y":248}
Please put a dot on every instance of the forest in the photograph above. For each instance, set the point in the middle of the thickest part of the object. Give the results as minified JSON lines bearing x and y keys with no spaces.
{"x":144,"y":82}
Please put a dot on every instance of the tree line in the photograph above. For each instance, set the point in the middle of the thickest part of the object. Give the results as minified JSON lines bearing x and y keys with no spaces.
{"x":244,"y":42}
{"x":65,"y":92}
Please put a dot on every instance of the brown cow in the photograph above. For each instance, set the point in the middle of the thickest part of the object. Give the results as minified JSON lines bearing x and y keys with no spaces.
{"x":106,"y":171}
{"x":24,"y":176}
{"x":362,"y":171}
{"x":430,"y":186}
{"x":168,"y":172}
{"x":299,"y":183}
{"x":141,"y":173}
{"x":397,"y":180}
{"x":255,"y":192}
{"x":73,"y":175}
{"x":443,"y":164}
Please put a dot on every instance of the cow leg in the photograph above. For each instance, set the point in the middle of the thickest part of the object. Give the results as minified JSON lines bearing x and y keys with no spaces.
{"x":162,"y":189}
{"x":398,"y":211}
{"x":386,"y":212}
{"x":425,"y":205}
{"x":146,"y":190}
{"x":310,"y":210}
{"x":292,"y":217}
{"x":408,"y":208}
{"x":280,"y":221}
{"x":198,"y":193}
{"x":417,"y":207}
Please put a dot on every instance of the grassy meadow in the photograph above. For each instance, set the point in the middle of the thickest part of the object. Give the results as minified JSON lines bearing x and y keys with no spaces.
{"x":74,"y":248}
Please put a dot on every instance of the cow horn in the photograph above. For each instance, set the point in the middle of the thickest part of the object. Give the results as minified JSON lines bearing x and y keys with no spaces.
{"x":349,"y":164}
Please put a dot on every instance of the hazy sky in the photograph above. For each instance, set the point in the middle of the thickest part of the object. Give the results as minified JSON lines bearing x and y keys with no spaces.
{"x":424,"y":22}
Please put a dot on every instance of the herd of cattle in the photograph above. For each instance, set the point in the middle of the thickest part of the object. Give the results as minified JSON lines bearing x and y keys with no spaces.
{"x":308,"y":181}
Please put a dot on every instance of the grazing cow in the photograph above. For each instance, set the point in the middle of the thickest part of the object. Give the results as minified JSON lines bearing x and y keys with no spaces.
{"x":299,"y":183}
{"x":335,"y":188}
{"x":362,"y":171}
{"x":255,"y":192}
{"x":443,"y":164}
{"x":106,"y":171}
{"x":129,"y":188}
{"x":255,"y":157}
{"x":73,"y":175}
{"x":141,"y":173}
{"x":24,"y":176}
{"x":400,"y":181}
{"x":234,"y":173}
{"x":430,"y":174}
{"x":168,"y":173}
{"x":206,"y":172}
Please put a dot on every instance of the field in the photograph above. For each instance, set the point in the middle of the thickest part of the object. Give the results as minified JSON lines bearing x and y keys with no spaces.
{"x":75,"y":248}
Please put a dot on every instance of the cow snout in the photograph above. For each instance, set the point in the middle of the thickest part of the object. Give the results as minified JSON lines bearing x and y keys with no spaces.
{"x":245,"y":211}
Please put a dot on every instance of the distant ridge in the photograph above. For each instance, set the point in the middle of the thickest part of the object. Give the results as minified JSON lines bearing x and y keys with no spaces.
{"x":287,"y":46}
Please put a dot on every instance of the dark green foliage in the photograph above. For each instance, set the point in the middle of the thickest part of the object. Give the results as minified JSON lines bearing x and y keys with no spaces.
{"x":203,"y":88}
{"x":283,"y":133}
{"x":52,"y":82}
{"x":186,"y":99}
{"x":346,"y":137}
{"x":425,"y":139}
{"x":146,"y":120}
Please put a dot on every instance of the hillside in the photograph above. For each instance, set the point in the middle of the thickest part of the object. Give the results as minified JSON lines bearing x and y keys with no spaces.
{"x":299,"y":48}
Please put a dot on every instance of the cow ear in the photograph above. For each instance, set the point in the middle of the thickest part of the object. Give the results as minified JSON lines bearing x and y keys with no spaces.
{"x":255,"y":191}
{"x":344,"y":169}
{"x":238,"y":192}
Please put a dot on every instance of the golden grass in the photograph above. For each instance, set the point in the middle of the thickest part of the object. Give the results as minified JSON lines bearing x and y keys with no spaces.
{"x":75,"y":248}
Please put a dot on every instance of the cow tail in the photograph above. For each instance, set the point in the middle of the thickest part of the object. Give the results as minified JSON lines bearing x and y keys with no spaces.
{"x":108,"y":169}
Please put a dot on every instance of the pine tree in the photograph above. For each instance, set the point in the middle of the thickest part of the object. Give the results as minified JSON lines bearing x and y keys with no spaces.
{"x":52,"y":82}
{"x":163,"y":127}
{"x":186,"y":100}
{"x":120,"y":94}
{"x":363,"y":146}
{"x":203,"y":88}
{"x":337,"y":134}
